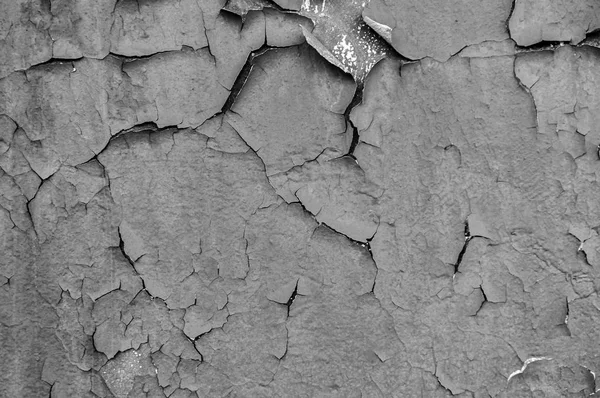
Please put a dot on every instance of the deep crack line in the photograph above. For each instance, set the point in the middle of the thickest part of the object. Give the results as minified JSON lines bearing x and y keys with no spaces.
{"x":242,"y":78}
{"x":468,"y":238}
{"x":122,"y":248}
{"x":356,"y":100}
{"x":291,"y":299}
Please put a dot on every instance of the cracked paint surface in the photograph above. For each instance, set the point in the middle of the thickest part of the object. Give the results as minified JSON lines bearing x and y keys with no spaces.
{"x":451,"y":25}
{"x":256,"y":198}
{"x":533,"y":21}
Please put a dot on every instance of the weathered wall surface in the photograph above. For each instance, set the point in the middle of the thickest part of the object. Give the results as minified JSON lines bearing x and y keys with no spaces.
{"x":318,"y":198}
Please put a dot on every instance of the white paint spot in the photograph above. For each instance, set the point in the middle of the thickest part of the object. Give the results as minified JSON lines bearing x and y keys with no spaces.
{"x":345,"y":50}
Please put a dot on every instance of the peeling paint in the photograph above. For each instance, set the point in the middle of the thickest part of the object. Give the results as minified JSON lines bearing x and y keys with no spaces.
{"x":299,"y":198}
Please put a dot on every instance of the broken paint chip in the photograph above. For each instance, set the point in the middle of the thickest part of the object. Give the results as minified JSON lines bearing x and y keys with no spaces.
{"x":243,"y":7}
{"x":321,"y":49}
{"x":381,"y":29}
{"x":342,"y":37}
{"x":525,"y":364}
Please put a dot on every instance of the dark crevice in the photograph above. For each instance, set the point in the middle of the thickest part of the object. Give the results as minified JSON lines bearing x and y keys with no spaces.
{"x":372,"y":291}
{"x":54,"y":61}
{"x":582,"y":255}
{"x":207,"y":333}
{"x":356,"y":100}
{"x":540,"y":46}
{"x":142,"y":291}
{"x":194,"y":344}
{"x":592,"y":39}
{"x":291,"y":299}
{"x":367,"y":245}
{"x":145,"y":289}
{"x":93,"y":342}
{"x":99,"y":297}
{"x":118,"y":2}
{"x":51,"y":387}
{"x":132,"y":263}
{"x":245,"y":253}
{"x":212,"y":56}
{"x":123,"y":252}
{"x":566,"y":322}
{"x":132,"y":58}
{"x":512,"y":9}
{"x":146,"y":127}
{"x":242,"y":78}
{"x":364,"y":245}
{"x":468,"y":238}
{"x":459,"y":50}
{"x":485,"y":300}
{"x":234,"y":17}
{"x":28,"y":205}
{"x":322,"y":224}
{"x":483,"y":293}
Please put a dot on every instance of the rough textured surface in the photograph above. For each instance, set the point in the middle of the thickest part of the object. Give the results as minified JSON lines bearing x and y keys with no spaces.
{"x":478,"y":182}
{"x":81,"y":29}
{"x":449,"y":171}
{"x":24,"y":36}
{"x":211,"y":199}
